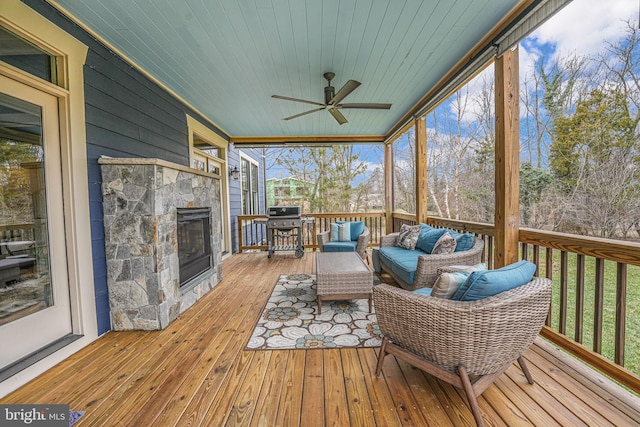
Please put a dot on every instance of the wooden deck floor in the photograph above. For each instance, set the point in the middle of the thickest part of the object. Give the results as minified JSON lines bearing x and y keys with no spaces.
{"x":196,"y":373}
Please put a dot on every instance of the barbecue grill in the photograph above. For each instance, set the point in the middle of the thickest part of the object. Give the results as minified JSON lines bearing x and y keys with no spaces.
{"x":284,"y":223}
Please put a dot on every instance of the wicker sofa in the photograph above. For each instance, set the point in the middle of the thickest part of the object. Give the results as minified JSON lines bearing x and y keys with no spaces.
{"x":414,"y":269}
{"x":455,"y":339}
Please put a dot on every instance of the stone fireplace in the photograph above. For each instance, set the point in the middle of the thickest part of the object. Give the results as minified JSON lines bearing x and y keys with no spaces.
{"x":141,"y":201}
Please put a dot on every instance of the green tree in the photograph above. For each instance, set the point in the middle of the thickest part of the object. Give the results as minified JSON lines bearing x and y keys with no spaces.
{"x":332,"y":170}
{"x":533,"y":181}
{"x":586,"y":139}
{"x":594,"y":158}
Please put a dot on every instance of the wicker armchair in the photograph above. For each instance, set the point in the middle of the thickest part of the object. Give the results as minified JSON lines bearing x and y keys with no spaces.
{"x":453,"y":340}
{"x":361,"y":247}
{"x":427,"y":268}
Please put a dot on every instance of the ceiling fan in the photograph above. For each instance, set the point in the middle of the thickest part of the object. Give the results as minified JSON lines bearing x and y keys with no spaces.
{"x":332,"y":100}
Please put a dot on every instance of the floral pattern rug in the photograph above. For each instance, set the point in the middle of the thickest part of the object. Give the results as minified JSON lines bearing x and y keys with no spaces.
{"x":290,"y":319}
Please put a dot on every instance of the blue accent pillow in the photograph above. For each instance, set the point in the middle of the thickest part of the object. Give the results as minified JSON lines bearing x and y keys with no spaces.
{"x":428,"y":238}
{"x":483,"y":284}
{"x":464,"y":241}
{"x":357,"y":228}
{"x":425,"y":226}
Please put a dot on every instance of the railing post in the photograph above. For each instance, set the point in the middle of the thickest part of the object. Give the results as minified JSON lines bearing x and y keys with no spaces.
{"x":598,"y":306}
{"x":507,"y":158}
{"x":421,"y":170}
{"x":621,"y":312}
{"x":388,"y":187}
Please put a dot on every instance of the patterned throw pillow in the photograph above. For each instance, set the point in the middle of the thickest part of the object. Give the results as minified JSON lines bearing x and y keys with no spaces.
{"x":408,"y":236}
{"x":446,"y":244}
{"x":341,"y":232}
{"x":447,"y":284}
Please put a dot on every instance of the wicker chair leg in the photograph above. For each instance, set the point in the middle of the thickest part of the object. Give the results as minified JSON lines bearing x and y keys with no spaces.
{"x":525,"y":369}
{"x":383,"y":353}
{"x":471,"y":395}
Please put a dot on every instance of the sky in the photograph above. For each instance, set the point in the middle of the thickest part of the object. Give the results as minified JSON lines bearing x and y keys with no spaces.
{"x":580,"y":28}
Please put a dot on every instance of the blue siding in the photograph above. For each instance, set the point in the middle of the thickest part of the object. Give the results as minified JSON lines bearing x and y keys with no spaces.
{"x":235,"y":197}
{"x":127,"y":115}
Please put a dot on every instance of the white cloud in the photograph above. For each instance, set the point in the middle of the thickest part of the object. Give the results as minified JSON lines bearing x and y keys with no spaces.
{"x":583,"y":25}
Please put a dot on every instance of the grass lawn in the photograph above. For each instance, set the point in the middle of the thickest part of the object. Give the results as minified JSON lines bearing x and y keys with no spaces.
{"x":632,"y":339}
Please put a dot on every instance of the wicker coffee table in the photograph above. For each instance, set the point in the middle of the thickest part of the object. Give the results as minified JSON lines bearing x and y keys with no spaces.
{"x":342,"y":276}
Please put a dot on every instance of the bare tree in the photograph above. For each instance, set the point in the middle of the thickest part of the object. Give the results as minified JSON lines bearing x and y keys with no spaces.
{"x":404,"y":172}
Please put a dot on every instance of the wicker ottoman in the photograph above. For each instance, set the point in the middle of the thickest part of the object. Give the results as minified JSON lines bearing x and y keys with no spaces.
{"x":342,"y":276}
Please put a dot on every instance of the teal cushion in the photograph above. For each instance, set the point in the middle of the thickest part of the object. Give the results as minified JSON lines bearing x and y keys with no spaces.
{"x":340,"y":247}
{"x":402,"y":262}
{"x":375,"y":259}
{"x":423,"y":291}
{"x":357,"y":228}
{"x":428,"y":238}
{"x":425,"y":226}
{"x":464,"y":241}
{"x":483,"y":284}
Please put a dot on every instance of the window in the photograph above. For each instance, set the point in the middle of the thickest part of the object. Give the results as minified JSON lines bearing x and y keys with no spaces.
{"x":249,"y":182}
{"x":27,"y":57}
{"x":208,"y":151}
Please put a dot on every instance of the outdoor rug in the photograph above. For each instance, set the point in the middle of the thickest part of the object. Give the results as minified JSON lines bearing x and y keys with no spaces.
{"x":290,"y":319}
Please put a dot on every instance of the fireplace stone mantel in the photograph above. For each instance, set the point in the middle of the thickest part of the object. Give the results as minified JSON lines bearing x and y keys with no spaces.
{"x":140,"y":202}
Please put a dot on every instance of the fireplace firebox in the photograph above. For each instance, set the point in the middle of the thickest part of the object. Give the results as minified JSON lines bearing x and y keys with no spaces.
{"x":194,"y":242}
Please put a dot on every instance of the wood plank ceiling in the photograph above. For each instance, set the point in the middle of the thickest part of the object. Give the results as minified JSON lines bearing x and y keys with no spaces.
{"x":227,"y":57}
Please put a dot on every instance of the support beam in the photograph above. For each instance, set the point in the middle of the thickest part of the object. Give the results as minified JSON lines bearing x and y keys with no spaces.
{"x":388,"y":187}
{"x":507,"y":159}
{"x":421,"y":170}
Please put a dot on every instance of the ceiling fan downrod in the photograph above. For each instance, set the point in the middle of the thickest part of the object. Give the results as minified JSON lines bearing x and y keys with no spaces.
{"x":329,"y":91}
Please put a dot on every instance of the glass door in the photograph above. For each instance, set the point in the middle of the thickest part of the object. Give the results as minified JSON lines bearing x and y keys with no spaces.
{"x":34,"y":290}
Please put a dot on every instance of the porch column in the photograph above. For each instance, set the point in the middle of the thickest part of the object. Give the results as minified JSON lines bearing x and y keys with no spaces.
{"x":388,"y":187}
{"x":421,"y":170}
{"x":507,"y":159}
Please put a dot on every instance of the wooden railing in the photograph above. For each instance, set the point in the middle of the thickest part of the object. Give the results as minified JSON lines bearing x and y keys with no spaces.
{"x":399,"y":219}
{"x":13,"y":232}
{"x":592,"y":329}
{"x":478,"y":229}
{"x":252,"y":235}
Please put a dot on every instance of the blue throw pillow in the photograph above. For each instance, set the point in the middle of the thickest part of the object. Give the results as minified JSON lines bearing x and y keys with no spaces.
{"x":464,"y":241}
{"x":357,"y":228}
{"x":425,"y":226}
{"x":483,"y":284}
{"x":428,"y":238}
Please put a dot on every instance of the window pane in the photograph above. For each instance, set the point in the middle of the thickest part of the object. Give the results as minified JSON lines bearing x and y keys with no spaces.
{"x":25,"y":56}
{"x":25,"y":278}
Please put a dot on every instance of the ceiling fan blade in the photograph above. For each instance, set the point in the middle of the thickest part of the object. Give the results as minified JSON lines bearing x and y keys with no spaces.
{"x":286,"y":98}
{"x":338,"y":116}
{"x":374,"y":106}
{"x":345,"y":90}
{"x":305,"y":113}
